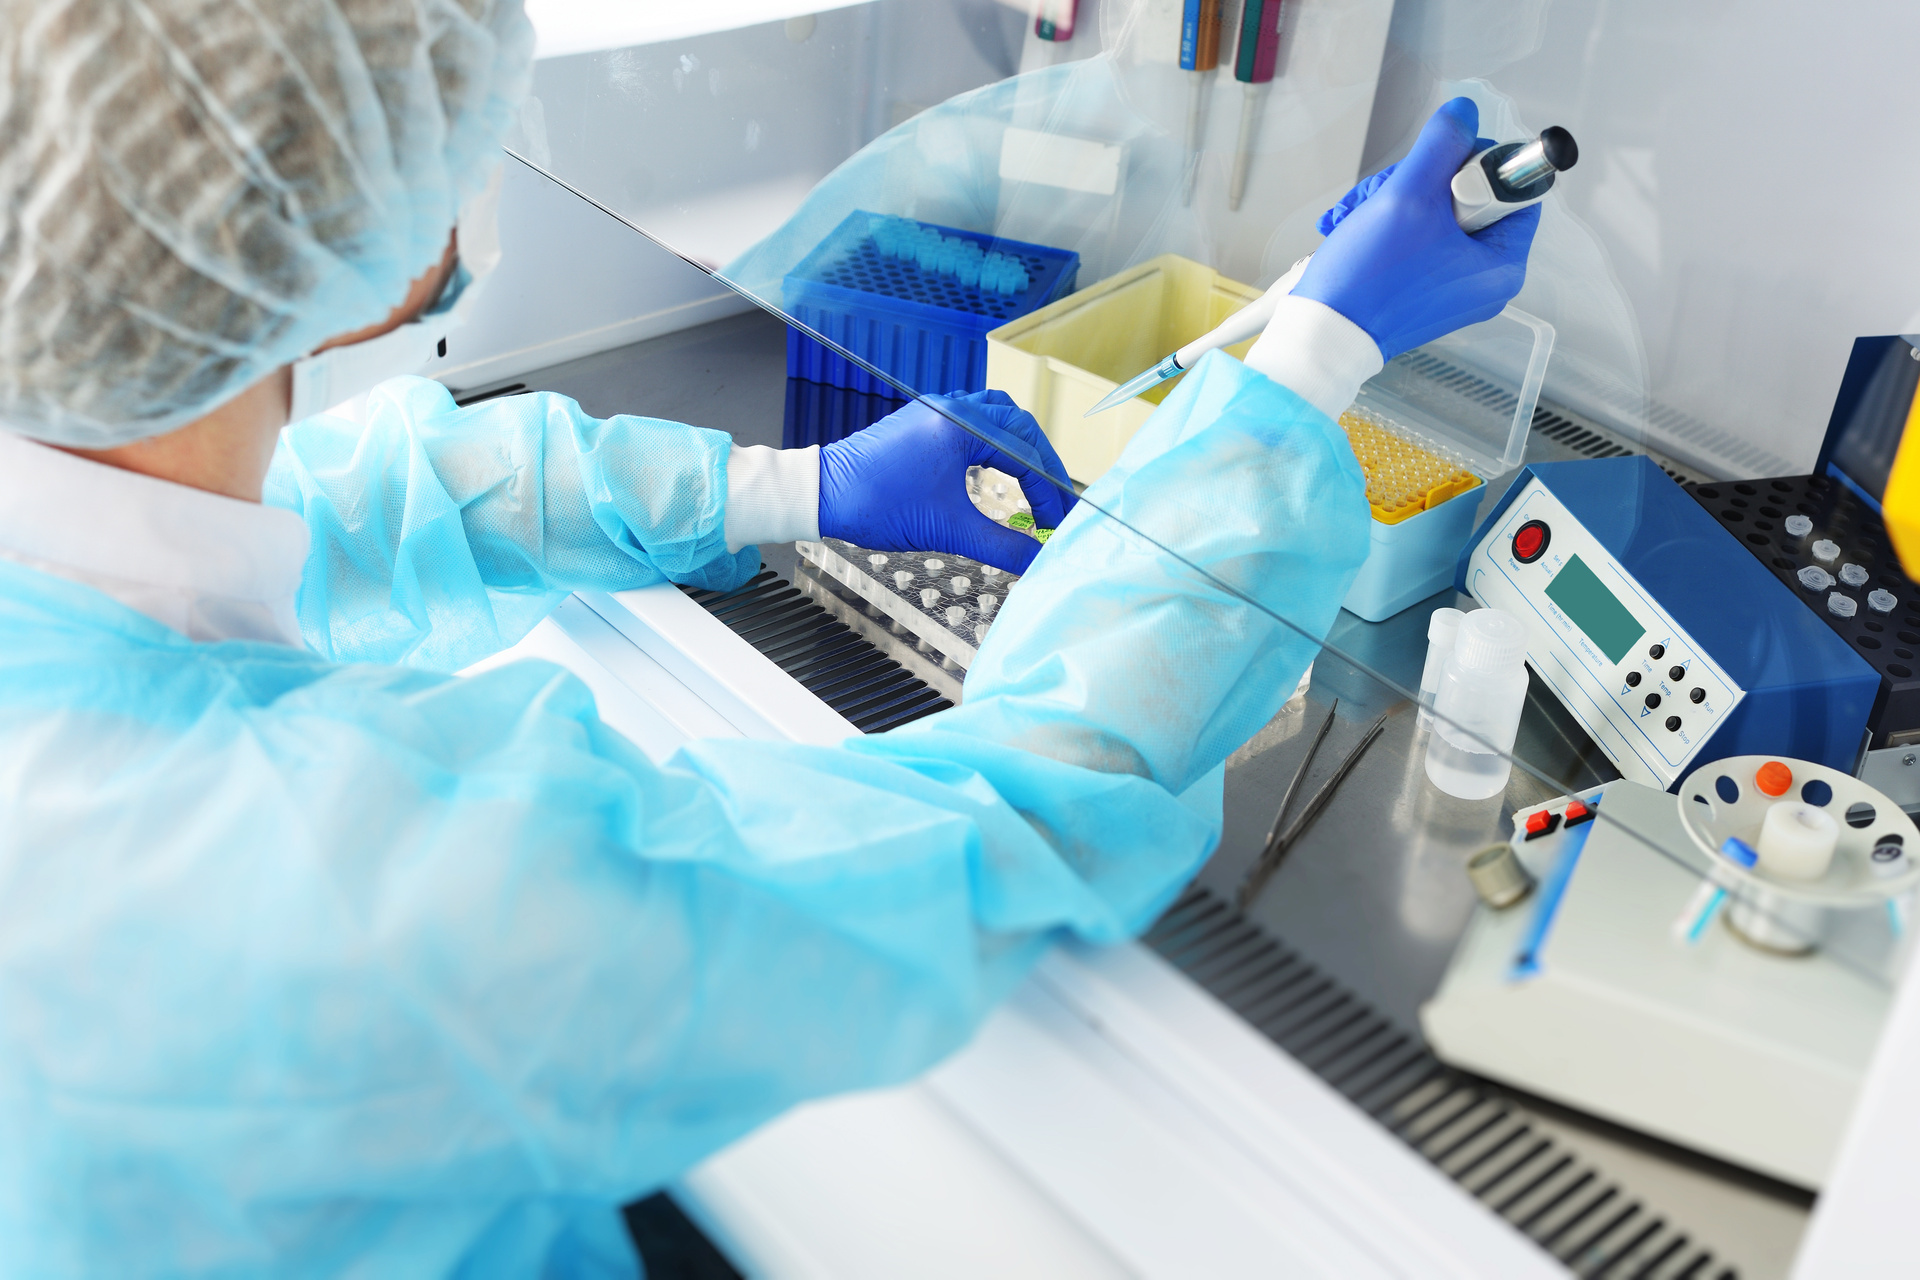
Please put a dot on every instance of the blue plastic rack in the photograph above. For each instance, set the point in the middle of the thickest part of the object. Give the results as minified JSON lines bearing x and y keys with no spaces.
{"x":921,"y":326}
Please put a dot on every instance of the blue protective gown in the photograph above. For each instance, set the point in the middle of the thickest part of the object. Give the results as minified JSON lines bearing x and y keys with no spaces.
{"x":310,"y":964}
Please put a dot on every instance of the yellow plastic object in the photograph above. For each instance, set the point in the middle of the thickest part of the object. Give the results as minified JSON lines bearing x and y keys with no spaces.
{"x":1900,"y":505}
{"x":1061,"y":360}
{"x":1403,"y":479}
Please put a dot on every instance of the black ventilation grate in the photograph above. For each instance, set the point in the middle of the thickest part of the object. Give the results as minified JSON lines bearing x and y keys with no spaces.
{"x":1471,"y":1130}
{"x":840,"y":668}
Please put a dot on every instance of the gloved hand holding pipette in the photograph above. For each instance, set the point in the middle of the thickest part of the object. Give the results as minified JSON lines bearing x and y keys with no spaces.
{"x":1397,"y":263}
{"x":1396,"y":270}
{"x":1459,"y":216}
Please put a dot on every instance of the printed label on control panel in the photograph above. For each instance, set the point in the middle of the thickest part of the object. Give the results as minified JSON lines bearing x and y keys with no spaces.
{"x":1638,"y":683}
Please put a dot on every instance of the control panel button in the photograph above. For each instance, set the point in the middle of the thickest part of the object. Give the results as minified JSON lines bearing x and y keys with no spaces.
{"x":1543,"y":823}
{"x":1658,"y":652}
{"x":1633,"y":679}
{"x":1530,"y":541}
{"x":1676,"y":674}
{"x":1653,"y":700}
{"x":1673,"y":724}
{"x":1698,"y":695}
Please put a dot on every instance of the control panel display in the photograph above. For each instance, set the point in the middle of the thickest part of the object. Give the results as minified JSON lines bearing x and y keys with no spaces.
{"x":1649,"y":695}
{"x":1594,"y":609}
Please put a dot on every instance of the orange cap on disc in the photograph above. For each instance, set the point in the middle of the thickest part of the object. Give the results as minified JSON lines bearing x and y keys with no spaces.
{"x":1773,"y":778}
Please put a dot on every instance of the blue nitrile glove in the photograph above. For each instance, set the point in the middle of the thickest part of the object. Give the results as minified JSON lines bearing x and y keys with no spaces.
{"x":901,"y":484}
{"x":1397,"y":264}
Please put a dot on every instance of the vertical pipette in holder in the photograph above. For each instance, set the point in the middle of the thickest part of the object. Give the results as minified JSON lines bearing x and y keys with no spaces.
{"x":1053,"y":19}
{"x":1199,"y":55}
{"x":1253,"y":67}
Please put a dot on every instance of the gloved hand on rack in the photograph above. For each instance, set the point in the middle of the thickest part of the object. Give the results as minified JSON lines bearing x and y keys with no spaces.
{"x":901,"y":484}
{"x":1397,"y":264}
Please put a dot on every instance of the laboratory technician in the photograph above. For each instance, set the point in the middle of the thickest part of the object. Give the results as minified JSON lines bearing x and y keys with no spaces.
{"x":316,"y":959}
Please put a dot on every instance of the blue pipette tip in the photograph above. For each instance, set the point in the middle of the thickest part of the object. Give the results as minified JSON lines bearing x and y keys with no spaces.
{"x":1167,"y":368}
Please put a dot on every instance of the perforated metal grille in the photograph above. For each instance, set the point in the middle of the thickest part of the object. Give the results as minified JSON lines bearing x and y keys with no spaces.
{"x":1472,"y":1131}
{"x":823,"y":654}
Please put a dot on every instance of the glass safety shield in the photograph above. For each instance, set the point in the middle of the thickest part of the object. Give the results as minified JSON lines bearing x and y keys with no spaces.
{"x":1542,"y":760}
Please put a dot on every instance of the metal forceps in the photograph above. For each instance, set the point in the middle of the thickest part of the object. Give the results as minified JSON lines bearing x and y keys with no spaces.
{"x":1283,"y":835}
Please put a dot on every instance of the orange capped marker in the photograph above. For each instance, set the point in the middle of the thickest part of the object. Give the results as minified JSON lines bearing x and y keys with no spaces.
{"x":1773,"y":778}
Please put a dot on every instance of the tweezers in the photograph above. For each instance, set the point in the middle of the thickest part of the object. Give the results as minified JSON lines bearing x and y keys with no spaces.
{"x":1280,"y":841}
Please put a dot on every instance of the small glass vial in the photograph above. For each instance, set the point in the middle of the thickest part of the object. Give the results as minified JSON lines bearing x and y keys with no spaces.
{"x":1482,"y":691}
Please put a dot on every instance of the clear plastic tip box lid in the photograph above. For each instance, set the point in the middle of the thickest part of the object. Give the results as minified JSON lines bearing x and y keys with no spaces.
{"x":1471,"y":394}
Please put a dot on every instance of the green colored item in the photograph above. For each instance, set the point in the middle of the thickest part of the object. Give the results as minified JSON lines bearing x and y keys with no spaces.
{"x":1023,"y":521}
{"x":1594,"y":609}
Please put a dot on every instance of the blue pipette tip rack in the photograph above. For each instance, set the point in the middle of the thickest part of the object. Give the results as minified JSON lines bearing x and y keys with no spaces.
{"x":914,"y":299}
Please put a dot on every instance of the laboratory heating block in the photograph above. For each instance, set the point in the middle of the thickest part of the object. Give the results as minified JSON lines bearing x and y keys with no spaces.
{"x":1829,"y":548}
{"x":1656,"y":628}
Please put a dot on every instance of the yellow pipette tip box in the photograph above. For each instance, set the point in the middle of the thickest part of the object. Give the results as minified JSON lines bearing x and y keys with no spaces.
{"x":1403,"y":477}
{"x":1426,"y":428}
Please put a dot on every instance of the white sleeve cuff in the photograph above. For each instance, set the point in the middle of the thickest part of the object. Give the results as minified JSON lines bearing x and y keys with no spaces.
{"x":773,"y":495}
{"x":1316,"y":353}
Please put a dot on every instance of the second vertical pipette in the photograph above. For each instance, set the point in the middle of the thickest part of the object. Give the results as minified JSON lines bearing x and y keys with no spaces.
{"x":1199,"y":55}
{"x":1253,"y":67}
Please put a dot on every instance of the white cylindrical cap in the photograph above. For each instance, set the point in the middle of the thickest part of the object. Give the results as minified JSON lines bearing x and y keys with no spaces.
{"x":1444,"y":625}
{"x":1797,"y":840}
{"x":1491,"y":641}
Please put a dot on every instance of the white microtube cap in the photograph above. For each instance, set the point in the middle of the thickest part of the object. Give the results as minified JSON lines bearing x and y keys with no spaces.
{"x":1491,"y":641}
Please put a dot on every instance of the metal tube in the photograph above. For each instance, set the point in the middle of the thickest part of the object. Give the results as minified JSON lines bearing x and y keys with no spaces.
{"x":1526,"y":166}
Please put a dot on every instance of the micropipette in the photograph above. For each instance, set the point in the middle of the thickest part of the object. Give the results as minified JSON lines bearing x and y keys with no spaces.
{"x":1199,"y":55}
{"x":1053,"y":19}
{"x":1253,"y":68}
{"x":1493,"y":183}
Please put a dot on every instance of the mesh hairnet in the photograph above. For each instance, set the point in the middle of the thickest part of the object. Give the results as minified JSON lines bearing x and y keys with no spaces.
{"x":198,"y":191}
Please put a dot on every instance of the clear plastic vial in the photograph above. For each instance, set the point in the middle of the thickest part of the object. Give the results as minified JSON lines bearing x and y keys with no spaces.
{"x":1442,"y":628}
{"x":1482,"y":690}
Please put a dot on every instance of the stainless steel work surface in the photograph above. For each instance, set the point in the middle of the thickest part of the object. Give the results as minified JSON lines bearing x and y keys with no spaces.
{"x":1374,"y":895}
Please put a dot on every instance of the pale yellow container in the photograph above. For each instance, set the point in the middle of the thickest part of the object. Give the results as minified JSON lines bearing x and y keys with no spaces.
{"x":1061,"y":360}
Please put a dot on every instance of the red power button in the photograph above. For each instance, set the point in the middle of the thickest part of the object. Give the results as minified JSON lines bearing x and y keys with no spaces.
{"x":1530,"y":541}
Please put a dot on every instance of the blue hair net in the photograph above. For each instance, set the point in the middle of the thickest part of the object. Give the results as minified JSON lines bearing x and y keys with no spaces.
{"x":198,"y":192}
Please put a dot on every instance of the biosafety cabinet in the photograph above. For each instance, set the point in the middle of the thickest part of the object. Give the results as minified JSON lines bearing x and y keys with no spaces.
{"x":785,"y":222}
